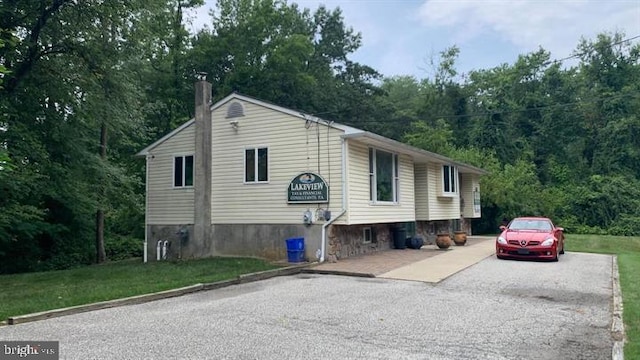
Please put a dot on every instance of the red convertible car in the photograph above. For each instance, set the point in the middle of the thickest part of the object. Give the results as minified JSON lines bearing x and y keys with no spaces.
{"x":530,"y":238}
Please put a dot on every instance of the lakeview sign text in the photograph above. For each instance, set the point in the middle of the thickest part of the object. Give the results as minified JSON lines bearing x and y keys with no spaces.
{"x":308,"y":188}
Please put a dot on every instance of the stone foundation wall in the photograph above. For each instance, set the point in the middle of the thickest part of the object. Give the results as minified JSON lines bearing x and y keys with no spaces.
{"x":268,"y":241}
{"x":430,"y":229}
{"x":345,"y":241}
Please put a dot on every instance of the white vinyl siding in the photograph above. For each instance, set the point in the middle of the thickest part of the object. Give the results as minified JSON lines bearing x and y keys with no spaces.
{"x":440,"y":208}
{"x":361,"y":209}
{"x":422,"y":191}
{"x":294,"y":146}
{"x":168,"y":204}
{"x":468,"y":184}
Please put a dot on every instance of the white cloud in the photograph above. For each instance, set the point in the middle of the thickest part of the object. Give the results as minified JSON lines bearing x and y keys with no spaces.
{"x":556,"y":26}
{"x":399,"y":35}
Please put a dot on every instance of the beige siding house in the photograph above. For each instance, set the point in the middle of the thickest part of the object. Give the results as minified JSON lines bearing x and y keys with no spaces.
{"x":245,"y":175}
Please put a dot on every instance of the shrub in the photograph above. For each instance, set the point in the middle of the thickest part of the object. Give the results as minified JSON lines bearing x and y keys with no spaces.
{"x":120,"y":247}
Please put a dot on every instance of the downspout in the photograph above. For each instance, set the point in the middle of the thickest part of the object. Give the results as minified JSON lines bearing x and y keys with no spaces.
{"x":146,"y":209}
{"x":323,"y":247}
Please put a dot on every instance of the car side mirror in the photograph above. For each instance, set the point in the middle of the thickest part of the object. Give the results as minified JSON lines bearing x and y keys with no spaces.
{"x":560,"y":229}
{"x":503,"y":228}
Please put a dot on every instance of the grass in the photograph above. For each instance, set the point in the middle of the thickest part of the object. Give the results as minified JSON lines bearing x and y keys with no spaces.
{"x":34,"y":292}
{"x":628,"y":251}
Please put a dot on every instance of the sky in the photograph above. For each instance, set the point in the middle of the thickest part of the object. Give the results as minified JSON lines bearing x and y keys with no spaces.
{"x":404,"y":37}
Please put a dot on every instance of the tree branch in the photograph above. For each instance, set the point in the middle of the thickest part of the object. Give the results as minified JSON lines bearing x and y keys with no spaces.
{"x":33,"y":53}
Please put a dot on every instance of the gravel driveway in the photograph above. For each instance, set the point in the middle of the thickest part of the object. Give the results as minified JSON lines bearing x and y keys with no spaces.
{"x":493,"y":310}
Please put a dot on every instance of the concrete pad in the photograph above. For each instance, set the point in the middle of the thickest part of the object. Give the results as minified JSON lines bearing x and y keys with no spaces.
{"x":441,"y":266}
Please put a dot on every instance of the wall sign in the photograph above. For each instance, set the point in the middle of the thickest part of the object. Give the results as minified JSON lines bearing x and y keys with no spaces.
{"x":307,"y":188}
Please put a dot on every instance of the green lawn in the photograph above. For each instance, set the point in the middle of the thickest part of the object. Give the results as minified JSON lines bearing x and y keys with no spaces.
{"x":34,"y":292}
{"x":628,"y":251}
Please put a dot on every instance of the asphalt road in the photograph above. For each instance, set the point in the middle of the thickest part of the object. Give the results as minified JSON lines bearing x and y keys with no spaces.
{"x":493,"y":310}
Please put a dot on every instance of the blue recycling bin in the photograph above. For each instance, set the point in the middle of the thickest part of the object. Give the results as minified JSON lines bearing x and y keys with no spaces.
{"x":295,"y":250}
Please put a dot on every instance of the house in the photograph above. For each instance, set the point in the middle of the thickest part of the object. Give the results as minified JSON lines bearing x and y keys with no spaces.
{"x":245,"y":175}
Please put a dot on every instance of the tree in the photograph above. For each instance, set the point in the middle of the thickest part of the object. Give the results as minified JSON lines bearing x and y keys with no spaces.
{"x":279,"y":53}
{"x":71,"y":82}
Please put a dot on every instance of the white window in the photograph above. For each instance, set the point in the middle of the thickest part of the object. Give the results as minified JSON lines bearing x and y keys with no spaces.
{"x":449,"y":179}
{"x":183,"y":171}
{"x":476,"y":201}
{"x":367,"y":236}
{"x":383,"y":176}
{"x":256,"y":165}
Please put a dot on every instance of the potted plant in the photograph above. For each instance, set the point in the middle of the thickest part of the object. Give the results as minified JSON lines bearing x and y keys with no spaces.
{"x":443,"y":240}
{"x":460,"y":238}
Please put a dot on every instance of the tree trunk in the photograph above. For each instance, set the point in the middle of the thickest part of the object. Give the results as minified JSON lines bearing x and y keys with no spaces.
{"x":100,"y":253}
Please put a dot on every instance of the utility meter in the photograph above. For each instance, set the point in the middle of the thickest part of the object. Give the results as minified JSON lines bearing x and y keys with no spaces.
{"x":307,"y":217}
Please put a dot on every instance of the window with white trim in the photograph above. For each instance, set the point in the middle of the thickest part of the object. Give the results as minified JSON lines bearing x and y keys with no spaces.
{"x":383,"y":176}
{"x":256,"y":165}
{"x":449,"y":179}
{"x":367,"y":235}
{"x":183,"y":171}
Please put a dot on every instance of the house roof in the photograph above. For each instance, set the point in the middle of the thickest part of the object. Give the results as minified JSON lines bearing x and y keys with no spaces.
{"x":419,"y":155}
{"x":236,"y":96}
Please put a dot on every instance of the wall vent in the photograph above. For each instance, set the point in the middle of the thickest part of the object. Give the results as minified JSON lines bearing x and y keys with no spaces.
{"x":235,"y":109}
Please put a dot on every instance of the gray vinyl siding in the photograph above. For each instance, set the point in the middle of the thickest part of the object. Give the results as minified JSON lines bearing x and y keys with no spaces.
{"x":361,"y":210}
{"x":165,"y":203}
{"x":294,"y":146}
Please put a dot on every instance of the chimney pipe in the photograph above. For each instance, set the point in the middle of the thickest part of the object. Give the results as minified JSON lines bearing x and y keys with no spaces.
{"x":202,"y":167}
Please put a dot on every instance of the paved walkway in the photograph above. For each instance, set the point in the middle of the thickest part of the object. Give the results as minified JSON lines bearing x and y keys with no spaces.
{"x":428,"y":264}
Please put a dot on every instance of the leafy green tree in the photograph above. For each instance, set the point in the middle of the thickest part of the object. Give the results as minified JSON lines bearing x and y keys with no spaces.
{"x":72,"y":80}
{"x":609,"y":85}
{"x":277,"y":52}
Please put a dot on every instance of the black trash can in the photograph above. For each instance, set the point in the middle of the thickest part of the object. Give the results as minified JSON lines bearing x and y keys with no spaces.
{"x":399,"y":237}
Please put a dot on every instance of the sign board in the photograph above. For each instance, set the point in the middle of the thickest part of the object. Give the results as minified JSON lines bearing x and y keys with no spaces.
{"x":307,"y":188}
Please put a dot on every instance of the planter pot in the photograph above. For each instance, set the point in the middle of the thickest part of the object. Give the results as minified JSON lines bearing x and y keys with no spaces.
{"x":460,"y":238}
{"x":443,"y":241}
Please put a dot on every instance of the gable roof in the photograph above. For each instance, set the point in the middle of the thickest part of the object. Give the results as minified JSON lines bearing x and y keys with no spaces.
{"x":419,"y":155}
{"x":236,"y":96}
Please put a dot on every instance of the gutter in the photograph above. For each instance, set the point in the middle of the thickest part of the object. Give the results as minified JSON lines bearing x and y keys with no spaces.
{"x":323,"y":248}
{"x":146,"y":206}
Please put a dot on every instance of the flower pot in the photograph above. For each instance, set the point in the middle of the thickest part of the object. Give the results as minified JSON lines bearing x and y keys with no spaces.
{"x":443,"y":241}
{"x":460,"y":238}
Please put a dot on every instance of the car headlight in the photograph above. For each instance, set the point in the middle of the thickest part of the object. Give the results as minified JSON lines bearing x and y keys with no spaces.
{"x":501,"y":240}
{"x":548,"y":242}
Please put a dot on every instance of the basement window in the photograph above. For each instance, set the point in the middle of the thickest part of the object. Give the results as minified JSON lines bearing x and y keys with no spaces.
{"x":367,"y":235}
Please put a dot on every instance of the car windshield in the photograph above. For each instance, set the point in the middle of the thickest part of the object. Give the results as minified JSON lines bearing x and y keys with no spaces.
{"x":530,"y":224}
